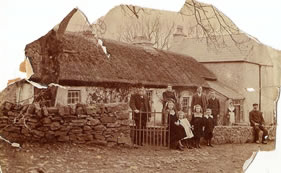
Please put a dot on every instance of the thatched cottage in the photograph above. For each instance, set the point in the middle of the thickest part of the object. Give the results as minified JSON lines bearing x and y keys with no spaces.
{"x":87,"y":74}
{"x":86,"y":69}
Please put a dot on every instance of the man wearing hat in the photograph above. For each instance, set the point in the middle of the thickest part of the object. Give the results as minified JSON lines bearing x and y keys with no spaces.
{"x":257,"y":121}
{"x":140,"y":106}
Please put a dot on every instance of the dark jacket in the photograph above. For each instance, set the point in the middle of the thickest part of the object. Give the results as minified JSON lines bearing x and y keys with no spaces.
{"x":167,"y":95}
{"x":142,"y":104}
{"x":209,"y":124}
{"x":199,"y":100}
{"x":256,"y":117}
{"x":214,"y":105}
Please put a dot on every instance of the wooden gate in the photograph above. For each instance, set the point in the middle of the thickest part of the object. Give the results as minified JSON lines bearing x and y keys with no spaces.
{"x":148,"y":129}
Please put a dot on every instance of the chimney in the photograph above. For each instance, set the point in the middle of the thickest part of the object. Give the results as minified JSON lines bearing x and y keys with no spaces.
{"x":142,"y":41}
{"x":179,"y":32}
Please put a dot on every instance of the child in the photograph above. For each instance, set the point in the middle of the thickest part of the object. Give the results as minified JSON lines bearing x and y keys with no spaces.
{"x":177,"y":132}
{"x":209,"y":125}
{"x":187,"y":127}
{"x":197,"y":124}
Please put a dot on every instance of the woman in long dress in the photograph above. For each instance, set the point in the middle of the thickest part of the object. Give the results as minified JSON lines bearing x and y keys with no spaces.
{"x":231,"y":113}
{"x":177,"y":132}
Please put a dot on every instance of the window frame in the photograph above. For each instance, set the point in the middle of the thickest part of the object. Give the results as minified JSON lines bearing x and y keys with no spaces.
{"x":188,"y":102}
{"x":238,"y":103}
{"x":149,"y":94}
{"x":72,"y":99}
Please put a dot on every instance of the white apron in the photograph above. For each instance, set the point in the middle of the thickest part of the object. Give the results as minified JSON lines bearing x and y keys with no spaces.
{"x":231,"y":115}
{"x":187,"y":127}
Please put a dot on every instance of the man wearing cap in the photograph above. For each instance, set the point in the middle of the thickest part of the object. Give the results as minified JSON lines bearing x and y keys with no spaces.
{"x":199,"y":99}
{"x":214,"y":105}
{"x":257,"y":121}
{"x":140,"y":106}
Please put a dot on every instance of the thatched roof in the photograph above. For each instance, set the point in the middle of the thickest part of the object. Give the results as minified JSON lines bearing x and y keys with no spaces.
{"x":77,"y":58}
{"x":83,"y":62}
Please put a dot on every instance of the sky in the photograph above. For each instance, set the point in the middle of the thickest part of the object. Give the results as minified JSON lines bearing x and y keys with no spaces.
{"x":22,"y":22}
{"x":25,"y":21}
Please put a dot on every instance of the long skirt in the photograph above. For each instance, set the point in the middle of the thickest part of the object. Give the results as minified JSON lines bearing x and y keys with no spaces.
{"x":176,"y":133}
{"x":231,"y":117}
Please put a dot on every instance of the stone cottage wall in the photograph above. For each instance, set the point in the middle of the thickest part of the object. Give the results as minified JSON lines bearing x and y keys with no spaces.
{"x":238,"y":134}
{"x":97,"y":124}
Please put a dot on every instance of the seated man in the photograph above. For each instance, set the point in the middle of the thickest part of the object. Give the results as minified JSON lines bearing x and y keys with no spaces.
{"x":257,"y":121}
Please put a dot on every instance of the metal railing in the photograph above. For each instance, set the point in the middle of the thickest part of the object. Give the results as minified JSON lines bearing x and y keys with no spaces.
{"x":148,"y":128}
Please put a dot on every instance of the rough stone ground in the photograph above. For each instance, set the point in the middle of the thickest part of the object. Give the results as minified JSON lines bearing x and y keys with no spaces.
{"x":68,"y":158}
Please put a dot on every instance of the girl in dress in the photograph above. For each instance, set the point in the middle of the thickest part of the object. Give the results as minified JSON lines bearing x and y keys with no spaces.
{"x":197,"y":124}
{"x":187,"y":127}
{"x":231,"y":113}
{"x":209,"y":124}
{"x":177,"y":132}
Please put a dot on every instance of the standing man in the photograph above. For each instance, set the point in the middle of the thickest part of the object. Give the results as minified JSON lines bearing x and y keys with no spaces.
{"x":199,"y":99}
{"x":257,"y":121}
{"x":140,"y":106}
{"x":167,"y":95}
{"x":214,"y":105}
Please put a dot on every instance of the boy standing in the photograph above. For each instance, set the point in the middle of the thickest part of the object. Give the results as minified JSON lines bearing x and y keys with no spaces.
{"x":209,"y":125}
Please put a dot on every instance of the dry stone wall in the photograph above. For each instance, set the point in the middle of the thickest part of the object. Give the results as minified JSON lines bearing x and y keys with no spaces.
{"x":98,"y":124}
{"x":238,"y":134}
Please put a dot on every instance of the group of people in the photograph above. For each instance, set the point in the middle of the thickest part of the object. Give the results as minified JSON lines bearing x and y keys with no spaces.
{"x":204,"y":118}
{"x":188,"y":132}
{"x":197,"y":99}
{"x":184,"y":133}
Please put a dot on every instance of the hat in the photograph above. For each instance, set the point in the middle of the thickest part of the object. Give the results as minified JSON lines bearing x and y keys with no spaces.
{"x":171,"y":100}
{"x":255,"y":104}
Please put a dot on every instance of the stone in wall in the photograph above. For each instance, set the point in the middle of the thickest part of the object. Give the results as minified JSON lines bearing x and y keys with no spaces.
{"x":108,"y":119}
{"x":93,"y":122}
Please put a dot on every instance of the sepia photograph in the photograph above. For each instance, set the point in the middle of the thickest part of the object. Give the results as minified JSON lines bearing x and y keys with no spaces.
{"x":127,"y":87}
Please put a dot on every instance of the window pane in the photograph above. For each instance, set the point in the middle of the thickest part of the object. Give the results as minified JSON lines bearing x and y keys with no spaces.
{"x":73,"y":96}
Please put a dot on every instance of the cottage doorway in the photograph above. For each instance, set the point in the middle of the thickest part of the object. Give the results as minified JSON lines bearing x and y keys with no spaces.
{"x":238,"y":111}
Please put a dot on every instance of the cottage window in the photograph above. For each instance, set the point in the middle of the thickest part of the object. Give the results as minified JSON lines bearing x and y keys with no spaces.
{"x":185,"y":104}
{"x":73,"y":96}
{"x":149,"y":94}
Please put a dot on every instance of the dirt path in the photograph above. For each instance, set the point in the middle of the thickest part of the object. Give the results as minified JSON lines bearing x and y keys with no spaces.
{"x":68,"y":158}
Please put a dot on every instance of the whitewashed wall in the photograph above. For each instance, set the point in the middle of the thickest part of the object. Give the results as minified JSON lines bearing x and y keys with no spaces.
{"x":25,"y":93}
